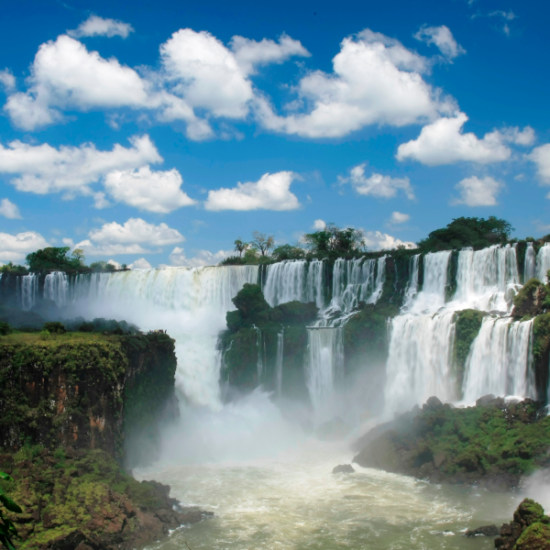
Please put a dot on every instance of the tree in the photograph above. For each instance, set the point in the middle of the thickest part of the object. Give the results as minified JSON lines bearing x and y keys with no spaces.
{"x":288,"y":252}
{"x":54,"y":259}
{"x":7,"y":529}
{"x":334,"y":240}
{"x":241,"y":246}
{"x":461,"y":232}
{"x":263,"y":242}
{"x":78,"y":255}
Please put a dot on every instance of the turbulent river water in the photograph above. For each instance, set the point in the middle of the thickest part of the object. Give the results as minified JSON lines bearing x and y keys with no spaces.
{"x":293,"y":501}
{"x":267,"y":480}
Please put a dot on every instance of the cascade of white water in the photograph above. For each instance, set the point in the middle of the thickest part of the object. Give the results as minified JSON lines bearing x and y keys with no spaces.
{"x":279,"y":362}
{"x":412,"y":286}
{"x":29,"y":290}
{"x":315,"y":283}
{"x":487,"y":279}
{"x":191,"y":303}
{"x":56,"y":288}
{"x":260,"y":350}
{"x":543,"y":263}
{"x":500,"y":360}
{"x":285,"y":282}
{"x":324,"y":368}
{"x":357,"y":280}
{"x":529,"y":266}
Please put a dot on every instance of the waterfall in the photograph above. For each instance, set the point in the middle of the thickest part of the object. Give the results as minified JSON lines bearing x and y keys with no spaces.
{"x":529,"y":268}
{"x":315,"y":283}
{"x":486,"y":279}
{"x":279,"y":362}
{"x":412,"y":286}
{"x":500,"y":360}
{"x":421,"y":338}
{"x":56,"y":288}
{"x":29,"y":290}
{"x":285,"y":282}
{"x":357,"y":280}
{"x":324,"y":368}
{"x":191,"y":303}
{"x":260,"y":349}
{"x":543,"y":263}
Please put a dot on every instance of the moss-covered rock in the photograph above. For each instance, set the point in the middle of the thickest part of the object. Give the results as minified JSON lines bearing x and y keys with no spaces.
{"x":493,"y":445}
{"x":530,"y":529}
{"x":541,"y":354}
{"x":74,"y":389}
{"x":249,"y":346}
{"x":63,"y":492}
{"x":531,"y":300}
{"x":467,"y":325}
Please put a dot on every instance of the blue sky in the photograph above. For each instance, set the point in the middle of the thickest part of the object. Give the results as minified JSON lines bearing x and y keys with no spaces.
{"x":161,"y":131}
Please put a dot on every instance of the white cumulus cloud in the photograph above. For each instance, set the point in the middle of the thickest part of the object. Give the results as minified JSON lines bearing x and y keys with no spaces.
{"x":376,"y":185}
{"x":140,"y":263}
{"x":129,"y":238}
{"x":44,"y":169}
{"x":398,"y":217}
{"x":270,"y":192}
{"x":376,"y":240}
{"x":9,"y":210}
{"x":442,"y":38}
{"x":7,"y":80}
{"x":541,"y":157}
{"x":98,"y":26}
{"x":202,"y":257}
{"x":476,"y":191}
{"x":375,"y":80}
{"x":14,"y":248}
{"x":145,"y":189}
{"x":443,"y":142}
{"x":319,"y":225}
{"x":209,"y":75}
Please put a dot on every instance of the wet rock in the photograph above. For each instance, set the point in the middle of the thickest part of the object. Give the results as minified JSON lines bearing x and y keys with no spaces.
{"x":433,"y":403}
{"x":343,"y":469}
{"x":485,"y":401}
{"x":439,"y":459}
{"x":530,"y":529}
{"x":484,"y":531}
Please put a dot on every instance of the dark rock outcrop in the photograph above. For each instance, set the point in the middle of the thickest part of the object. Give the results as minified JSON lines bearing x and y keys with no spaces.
{"x":343,"y":469}
{"x":530,"y":529}
{"x":493,"y":444}
{"x":484,"y":531}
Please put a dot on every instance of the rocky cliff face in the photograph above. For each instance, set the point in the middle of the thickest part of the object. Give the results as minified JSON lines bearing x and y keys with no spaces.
{"x":493,"y":444}
{"x":82,"y":390}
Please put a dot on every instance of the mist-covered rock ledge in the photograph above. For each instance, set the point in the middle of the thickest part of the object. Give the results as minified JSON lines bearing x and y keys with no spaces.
{"x":493,"y":444}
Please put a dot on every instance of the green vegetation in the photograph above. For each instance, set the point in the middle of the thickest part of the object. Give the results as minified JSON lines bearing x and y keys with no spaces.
{"x":530,"y":529}
{"x":55,"y":259}
{"x":8,"y":531}
{"x":252,"y":336}
{"x":475,"y":232}
{"x":467,"y":325}
{"x":13,"y":269}
{"x":83,"y":389}
{"x":496,"y":443}
{"x":66,"y":490}
{"x":334,"y":241}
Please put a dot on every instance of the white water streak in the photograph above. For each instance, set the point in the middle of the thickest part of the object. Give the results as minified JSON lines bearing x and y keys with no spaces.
{"x":529,"y":266}
{"x":56,"y":288}
{"x":543,"y":263}
{"x":500,"y":360}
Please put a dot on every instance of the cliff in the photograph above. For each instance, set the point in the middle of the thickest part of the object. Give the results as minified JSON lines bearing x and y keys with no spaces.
{"x":85,"y":391}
